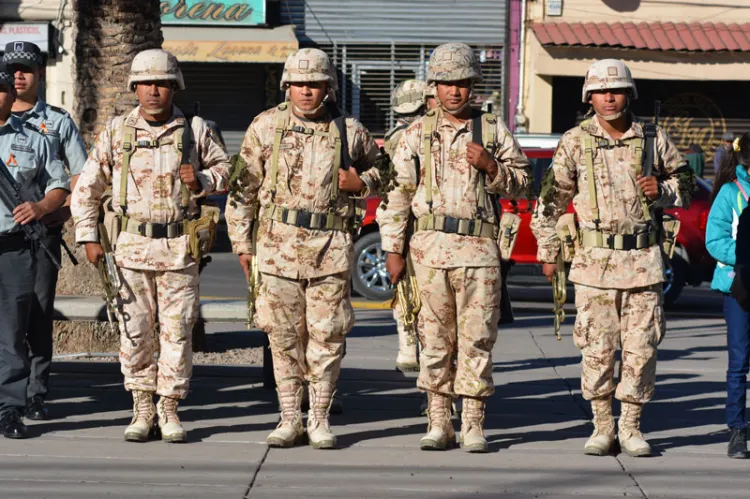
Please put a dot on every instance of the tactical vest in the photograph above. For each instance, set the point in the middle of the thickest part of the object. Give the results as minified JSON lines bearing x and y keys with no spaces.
{"x":596,"y":237}
{"x":337,"y":136}
{"x":129,"y":146}
{"x":484,"y":132}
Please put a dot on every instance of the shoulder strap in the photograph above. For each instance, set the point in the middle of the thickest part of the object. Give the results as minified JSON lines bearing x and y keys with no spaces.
{"x":588,"y":149}
{"x":128,"y":146}
{"x":483,"y":132}
{"x":337,"y":139}
{"x":428,"y":128}
{"x":339,"y":120}
{"x":741,"y":188}
{"x":183,"y":145}
{"x":282,"y":120}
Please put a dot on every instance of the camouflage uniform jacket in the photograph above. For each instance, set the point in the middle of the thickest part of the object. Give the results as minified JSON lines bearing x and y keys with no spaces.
{"x":153,"y":193}
{"x":303,"y":183}
{"x":620,"y":209}
{"x":454,"y":186}
{"x":394,"y":136}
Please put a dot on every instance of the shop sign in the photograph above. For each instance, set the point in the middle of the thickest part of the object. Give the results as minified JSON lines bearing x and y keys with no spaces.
{"x":227,"y":51}
{"x":37,"y":33}
{"x":216,"y":12}
{"x":692,"y":118}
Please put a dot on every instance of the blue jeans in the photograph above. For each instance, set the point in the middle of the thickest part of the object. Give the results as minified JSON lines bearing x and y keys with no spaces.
{"x":738,"y":347}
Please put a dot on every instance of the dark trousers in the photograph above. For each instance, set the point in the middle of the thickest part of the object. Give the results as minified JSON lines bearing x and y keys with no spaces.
{"x":17,"y":277}
{"x":738,"y":348}
{"x":39,"y":335}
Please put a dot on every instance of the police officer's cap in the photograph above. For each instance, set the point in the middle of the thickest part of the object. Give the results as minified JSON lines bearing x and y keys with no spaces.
{"x":23,"y":53}
{"x":6,"y":76}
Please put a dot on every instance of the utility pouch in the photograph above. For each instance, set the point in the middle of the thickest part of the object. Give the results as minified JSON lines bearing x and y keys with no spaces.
{"x":670,"y":227}
{"x":567,"y":231}
{"x":202,"y":232}
{"x":508,"y":234}
{"x":111,"y":222}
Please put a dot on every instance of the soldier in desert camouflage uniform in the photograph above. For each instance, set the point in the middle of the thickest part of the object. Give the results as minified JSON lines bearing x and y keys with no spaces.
{"x":618,"y":267}
{"x":454,"y":247}
{"x":157,"y":271}
{"x":293,"y":178}
{"x":407,"y":102}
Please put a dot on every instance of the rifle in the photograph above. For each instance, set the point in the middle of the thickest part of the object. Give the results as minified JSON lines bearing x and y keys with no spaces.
{"x":110,"y":278}
{"x":10,"y":194}
{"x":559,"y":294}
{"x":253,"y":284}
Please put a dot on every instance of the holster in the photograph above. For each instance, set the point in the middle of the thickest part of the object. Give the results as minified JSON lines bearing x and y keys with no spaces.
{"x":111,"y":222}
{"x":202,"y":231}
{"x":567,"y":231}
{"x":508,"y":234}
{"x":670,"y":227}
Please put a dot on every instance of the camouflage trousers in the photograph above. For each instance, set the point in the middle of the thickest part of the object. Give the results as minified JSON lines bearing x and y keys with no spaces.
{"x":174,"y":296}
{"x":608,"y":318}
{"x":458,"y":319}
{"x":307,"y":321}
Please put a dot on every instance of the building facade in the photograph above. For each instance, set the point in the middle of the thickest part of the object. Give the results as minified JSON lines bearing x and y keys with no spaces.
{"x":696,"y":64}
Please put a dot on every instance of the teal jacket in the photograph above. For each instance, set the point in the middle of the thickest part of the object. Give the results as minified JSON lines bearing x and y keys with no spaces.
{"x":721,"y":231}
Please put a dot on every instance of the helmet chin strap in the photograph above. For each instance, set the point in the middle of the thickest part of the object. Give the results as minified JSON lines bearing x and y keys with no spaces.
{"x":455,"y":112}
{"x":152,"y":112}
{"x":308,"y":114}
{"x":613,"y":117}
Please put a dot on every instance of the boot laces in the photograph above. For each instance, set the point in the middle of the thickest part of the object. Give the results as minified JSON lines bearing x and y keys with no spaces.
{"x":320,"y":404}
{"x":438,"y":410}
{"x":168,"y":407}
{"x":143,"y":406}
{"x":290,"y":399}
{"x":473,"y":414}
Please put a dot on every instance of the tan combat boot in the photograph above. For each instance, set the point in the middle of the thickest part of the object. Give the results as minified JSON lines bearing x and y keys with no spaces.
{"x":169,"y":423}
{"x":440,"y":434}
{"x":290,"y":429}
{"x":406,"y":360}
{"x":318,"y":429}
{"x":631,"y":438}
{"x":143,"y":417}
{"x":603,"y":437}
{"x":472,"y":419}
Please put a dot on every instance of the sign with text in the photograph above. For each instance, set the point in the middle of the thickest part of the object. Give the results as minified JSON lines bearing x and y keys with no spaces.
{"x":217,"y":12}
{"x":37,"y":33}
{"x":228,"y":51}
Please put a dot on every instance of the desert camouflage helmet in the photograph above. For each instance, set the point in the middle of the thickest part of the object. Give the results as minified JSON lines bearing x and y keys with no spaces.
{"x":155,"y":65}
{"x":408,"y":97}
{"x":309,"y":65}
{"x":453,"y":62}
{"x":608,"y":74}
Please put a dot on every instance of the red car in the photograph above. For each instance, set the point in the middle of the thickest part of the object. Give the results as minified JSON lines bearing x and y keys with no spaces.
{"x":691,"y":263}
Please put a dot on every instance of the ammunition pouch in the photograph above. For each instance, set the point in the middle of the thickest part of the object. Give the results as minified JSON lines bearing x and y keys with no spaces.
{"x":567,"y":231}
{"x":202,"y":231}
{"x":508,"y":234}
{"x":670,"y":227}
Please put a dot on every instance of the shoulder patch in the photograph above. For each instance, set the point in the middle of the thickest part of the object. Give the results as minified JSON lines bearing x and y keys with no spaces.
{"x":58,"y":110}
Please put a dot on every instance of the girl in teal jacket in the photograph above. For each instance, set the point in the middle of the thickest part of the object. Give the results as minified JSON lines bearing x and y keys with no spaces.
{"x":730,"y":198}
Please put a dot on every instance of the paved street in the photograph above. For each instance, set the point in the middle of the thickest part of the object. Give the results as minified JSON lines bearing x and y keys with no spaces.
{"x":537,"y":424}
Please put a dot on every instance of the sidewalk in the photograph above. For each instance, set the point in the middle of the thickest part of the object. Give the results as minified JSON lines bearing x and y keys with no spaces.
{"x":536,"y":424}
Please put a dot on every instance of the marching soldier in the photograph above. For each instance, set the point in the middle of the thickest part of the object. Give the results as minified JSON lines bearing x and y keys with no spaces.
{"x":36,"y":183}
{"x":157,"y":165}
{"x":618,"y":267}
{"x":27,"y":65}
{"x":454,"y":247}
{"x":303,"y":165}
{"x":407,"y":102}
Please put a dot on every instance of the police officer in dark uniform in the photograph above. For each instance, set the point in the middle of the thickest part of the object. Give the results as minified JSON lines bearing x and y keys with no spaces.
{"x":26,"y":63}
{"x":43,"y":185}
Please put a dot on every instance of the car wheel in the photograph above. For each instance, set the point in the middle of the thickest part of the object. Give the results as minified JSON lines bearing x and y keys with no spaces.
{"x":369,"y":277}
{"x":675,"y":276}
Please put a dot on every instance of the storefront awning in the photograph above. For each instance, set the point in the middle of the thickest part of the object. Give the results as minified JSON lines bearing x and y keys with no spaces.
{"x":662,"y":36}
{"x":212,"y":44}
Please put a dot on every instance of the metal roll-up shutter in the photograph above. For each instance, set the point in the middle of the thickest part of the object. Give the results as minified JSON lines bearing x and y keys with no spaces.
{"x":229,"y":94}
{"x":413,"y":21}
